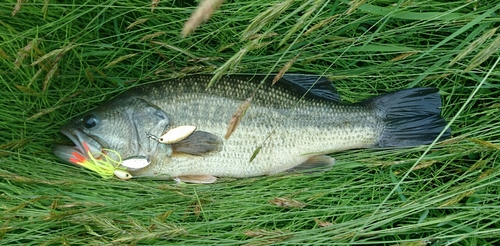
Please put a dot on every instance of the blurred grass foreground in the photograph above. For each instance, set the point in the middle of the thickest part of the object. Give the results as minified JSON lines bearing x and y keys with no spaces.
{"x":61,"y":58}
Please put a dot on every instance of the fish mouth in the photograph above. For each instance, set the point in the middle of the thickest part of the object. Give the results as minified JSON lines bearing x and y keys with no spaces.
{"x":85,"y":146}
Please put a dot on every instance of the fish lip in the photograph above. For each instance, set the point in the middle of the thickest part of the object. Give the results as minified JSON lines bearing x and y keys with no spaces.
{"x":74,"y":139}
{"x":84,"y":143}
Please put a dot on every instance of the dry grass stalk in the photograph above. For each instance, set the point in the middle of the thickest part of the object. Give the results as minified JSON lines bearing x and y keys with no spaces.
{"x":457,"y":198}
{"x":152,"y":35}
{"x":262,"y":36}
{"x":119,"y":59}
{"x":17,"y":7}
{"x":45,"y":8}
{"x":24,"y":52}
{"x":477,"y":166}
{"x":233,"y":62}
{"x":265,"y":18}
{"x":137,"y":22}
{"x":237,"y":116}
{"x":154,"y":4}
{"x":89,"y":75}
{"x":35,"y":77}
{"x":50,"y":75}
{"x":303,"y":20}
{"x":42,"y":113}
{"x":100,"y":72}
{"x":285,"y":68}
{"x":205,"y":9}
{"x":4,"y":55}
{"x":486,"y":143}
{"x":52,"y":66}
{"x":321,"y":24}
{"x":185,"y":52}
{"x":474,"y":45}
{"x":484,"y":54}
{"x":26,"y":90}
{"x":287,"y":202}
{"x":255,"y":153}
{"x":58,"y":53}
{"x":267,"y":237}
{"x":321,"y":223}
{"x":403,"y":56}
{"x":487,"y":173}
{"x":354,"y":5}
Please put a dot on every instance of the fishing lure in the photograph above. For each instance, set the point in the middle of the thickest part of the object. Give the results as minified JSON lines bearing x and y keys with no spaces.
{"x":177,"y":134}
{"x":174,"y":135}
{"x":136,"y":162}
{"x":104,"y":165}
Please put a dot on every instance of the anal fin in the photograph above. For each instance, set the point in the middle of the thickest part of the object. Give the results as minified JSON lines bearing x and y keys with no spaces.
{"x":317,"y":163}
{"x":197,"y":179}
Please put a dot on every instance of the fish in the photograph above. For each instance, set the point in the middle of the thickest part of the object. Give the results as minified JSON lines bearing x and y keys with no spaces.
{"x":291,"y":126}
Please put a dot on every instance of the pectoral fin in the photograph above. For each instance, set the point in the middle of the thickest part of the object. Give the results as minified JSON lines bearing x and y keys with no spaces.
{"x":318,"y":163}
{"x":197,"y":179}
{"x":199,"y":143}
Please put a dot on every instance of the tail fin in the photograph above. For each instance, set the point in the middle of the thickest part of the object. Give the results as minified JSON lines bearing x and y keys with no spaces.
{"x":412,"y":117}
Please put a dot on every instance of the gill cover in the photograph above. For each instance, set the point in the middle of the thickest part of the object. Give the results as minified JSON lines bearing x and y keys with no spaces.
{"x":146,"y":118}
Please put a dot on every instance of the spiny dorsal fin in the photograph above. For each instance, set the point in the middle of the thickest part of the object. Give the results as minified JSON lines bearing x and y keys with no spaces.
{"x":317,"y":163}
{"x":317,"y":87}
{"x":199,"y":143}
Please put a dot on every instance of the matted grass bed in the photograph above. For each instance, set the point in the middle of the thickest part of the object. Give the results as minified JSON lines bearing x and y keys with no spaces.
{"x":59,"y":59}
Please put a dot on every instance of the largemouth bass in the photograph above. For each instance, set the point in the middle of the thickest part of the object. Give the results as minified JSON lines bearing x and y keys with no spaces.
{"x":289,"y":126}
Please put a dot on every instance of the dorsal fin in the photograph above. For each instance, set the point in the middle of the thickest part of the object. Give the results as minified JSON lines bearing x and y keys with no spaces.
{"x":317,"y":87}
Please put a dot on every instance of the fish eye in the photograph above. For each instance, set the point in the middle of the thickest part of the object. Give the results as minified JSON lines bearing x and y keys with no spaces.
{"x":90,"y":121}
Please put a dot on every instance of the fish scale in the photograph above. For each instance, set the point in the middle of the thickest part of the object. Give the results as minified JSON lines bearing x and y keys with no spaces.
{"x":291,"y":130}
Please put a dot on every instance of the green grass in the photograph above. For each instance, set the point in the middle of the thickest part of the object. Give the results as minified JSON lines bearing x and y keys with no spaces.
{"x":58,"y":60}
